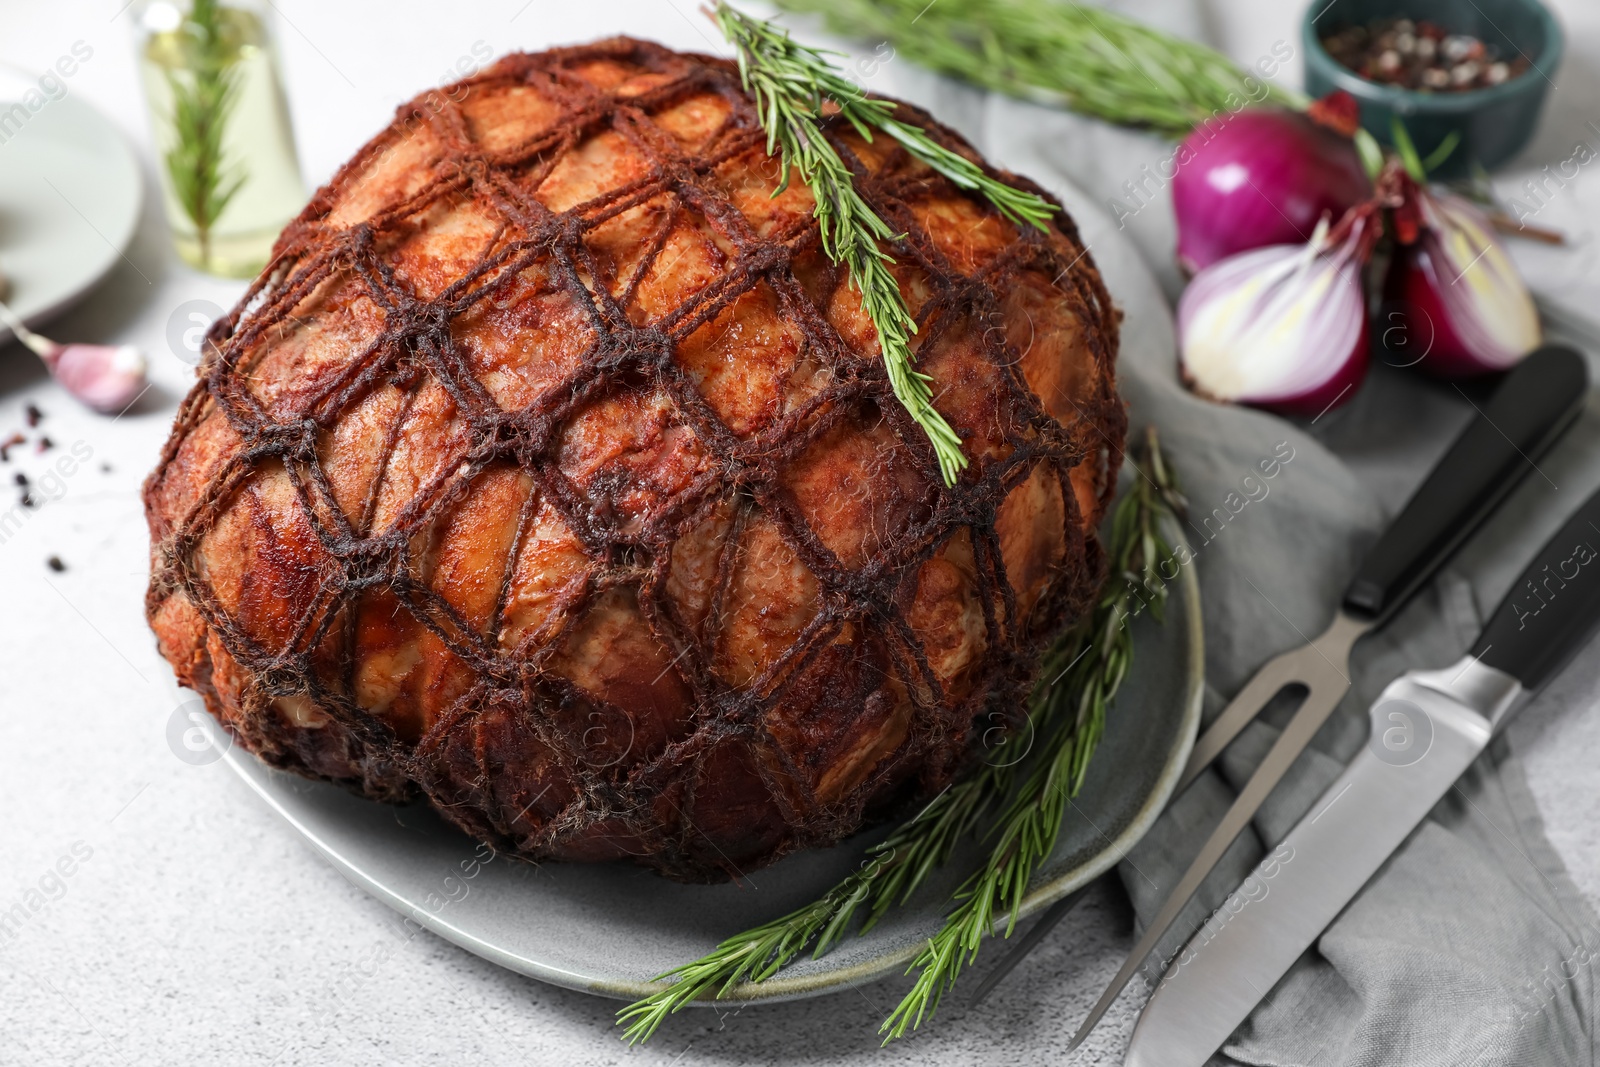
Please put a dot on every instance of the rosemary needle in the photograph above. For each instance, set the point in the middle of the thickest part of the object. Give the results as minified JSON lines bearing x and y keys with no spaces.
{"x":1080,"y":676}
{"x":202,"y":180}
{"x":791,"y":85}
{"x":1076,"y":55}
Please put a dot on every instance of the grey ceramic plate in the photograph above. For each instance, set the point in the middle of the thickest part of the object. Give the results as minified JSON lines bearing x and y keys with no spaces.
{"x":609,"y":929}
{"x":70,"y":195}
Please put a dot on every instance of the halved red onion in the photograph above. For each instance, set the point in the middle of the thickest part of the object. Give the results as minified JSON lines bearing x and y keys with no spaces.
{"x":1284,"y":327}
{"x":1456,"y":284}
{"x":1262,"y":176}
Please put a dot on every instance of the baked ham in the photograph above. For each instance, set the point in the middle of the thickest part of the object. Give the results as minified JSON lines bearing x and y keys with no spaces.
{"x":550,"y":472}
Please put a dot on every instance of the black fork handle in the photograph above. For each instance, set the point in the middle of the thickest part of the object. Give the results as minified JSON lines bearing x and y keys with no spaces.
{"x":1533,"y":406}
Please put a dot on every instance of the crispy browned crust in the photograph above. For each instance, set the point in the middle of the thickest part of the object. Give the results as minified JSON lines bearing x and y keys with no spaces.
{"x":550,"y":470}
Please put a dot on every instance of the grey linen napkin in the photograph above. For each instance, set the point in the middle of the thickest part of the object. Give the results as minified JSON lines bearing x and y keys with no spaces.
{"x":1471,"y":946}
{"x":1448,"y":955}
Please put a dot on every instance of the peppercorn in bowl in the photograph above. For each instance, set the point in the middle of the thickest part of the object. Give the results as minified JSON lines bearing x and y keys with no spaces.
{"x":1466,"y":78}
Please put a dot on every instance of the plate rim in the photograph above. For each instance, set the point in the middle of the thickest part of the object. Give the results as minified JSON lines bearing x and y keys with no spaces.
{"x":780,"y":988}
{"x":115,"y":142}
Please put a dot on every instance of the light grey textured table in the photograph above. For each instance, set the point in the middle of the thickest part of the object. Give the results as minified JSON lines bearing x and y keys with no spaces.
{"x":198,"y":928}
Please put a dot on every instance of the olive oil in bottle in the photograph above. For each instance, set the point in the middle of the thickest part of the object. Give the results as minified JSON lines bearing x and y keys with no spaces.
{"x":229,"y":174}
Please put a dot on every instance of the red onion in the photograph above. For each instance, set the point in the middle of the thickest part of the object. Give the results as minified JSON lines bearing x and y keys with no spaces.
{"x":1283,"y":327}
{"x":1259,"y":177}
{"x":1454,"y":283}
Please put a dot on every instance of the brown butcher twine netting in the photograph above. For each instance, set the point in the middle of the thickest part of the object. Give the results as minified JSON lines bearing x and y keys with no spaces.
{"x":551,"y":471}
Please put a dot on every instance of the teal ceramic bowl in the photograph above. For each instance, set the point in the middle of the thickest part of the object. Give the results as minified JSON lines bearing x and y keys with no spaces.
{"x":1493,"y":123}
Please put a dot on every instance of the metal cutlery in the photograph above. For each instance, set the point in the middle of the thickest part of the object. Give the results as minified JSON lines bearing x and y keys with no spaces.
{"x":1532,"y":407}
{"x":1428,"y":726}
{"x":1535,"y":404}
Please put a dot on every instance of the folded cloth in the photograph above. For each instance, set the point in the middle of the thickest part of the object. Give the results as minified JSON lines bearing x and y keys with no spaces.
{"x":1471,"y":946}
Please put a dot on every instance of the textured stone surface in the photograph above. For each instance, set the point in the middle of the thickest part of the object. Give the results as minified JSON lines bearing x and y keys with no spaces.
{"x":202,"y":930}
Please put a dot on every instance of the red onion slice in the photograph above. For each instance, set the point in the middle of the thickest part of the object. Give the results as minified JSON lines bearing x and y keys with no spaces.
{"x":1457,"y":285}
{"x":1283,"y":327}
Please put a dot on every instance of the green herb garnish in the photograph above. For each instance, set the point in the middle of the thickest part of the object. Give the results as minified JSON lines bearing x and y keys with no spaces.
{"x":1080,"y":676}
{"x":202,"y":181}
{"x":1076,"y":55}
{"x":792,"y":84}
{"x":1088,"y":666}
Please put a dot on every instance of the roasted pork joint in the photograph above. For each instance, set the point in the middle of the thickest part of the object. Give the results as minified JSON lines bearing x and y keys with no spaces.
{"x":550,"y":473}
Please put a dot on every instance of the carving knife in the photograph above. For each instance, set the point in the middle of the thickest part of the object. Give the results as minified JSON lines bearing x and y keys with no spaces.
{"x":1427,"y":728}
{"x":1533,"y":406}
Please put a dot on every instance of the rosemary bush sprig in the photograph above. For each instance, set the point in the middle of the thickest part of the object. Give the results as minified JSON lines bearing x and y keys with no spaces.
{"x":1066,"y":717}
{"x":1071,"y":713}
{"x":1081,"y":55}
{"x":791,"y":85}
{"x":202,"y":181}
{"x":891,"y":872}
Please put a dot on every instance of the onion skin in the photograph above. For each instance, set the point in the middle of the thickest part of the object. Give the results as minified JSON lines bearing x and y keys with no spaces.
{"x":1439,"y":301}
{"x":1262,"y":176}
{"x":1411,"y":290}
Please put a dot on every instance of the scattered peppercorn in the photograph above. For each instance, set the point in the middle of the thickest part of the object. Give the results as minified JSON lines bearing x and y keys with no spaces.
{"x":55,"y":564}
{"x":1420,"y":56}
{"x":22,"y":479}
{"x":44,"y":445}
{"x":33,"y":414}
{"x":8,"y":444}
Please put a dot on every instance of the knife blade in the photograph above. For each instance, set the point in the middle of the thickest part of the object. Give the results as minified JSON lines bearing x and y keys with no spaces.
{"x":1533,"y":406}
{"x":1427,"y":729}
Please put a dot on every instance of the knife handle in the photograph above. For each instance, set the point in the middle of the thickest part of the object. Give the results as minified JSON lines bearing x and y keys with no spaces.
{"x":1533,"y":406}
{"x":1553,"y":608}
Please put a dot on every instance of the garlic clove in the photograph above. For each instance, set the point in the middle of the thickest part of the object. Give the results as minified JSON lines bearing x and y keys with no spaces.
{"x":105,"y":377}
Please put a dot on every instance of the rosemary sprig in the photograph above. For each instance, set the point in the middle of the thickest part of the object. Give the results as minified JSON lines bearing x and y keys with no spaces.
{"x":1081,"y":674}
{"x":202,"y":181}
{"x":1079,"y":55}
{"x":792,"y":84}
{"x":1074,"y":714}
{"x":891,"y":872}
